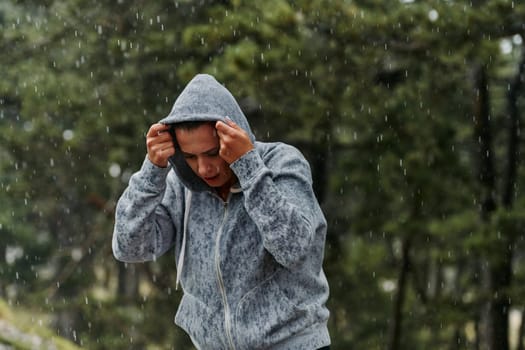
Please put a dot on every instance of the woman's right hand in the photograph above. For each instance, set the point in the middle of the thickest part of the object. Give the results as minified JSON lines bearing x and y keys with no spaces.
{"x":159,"y":144}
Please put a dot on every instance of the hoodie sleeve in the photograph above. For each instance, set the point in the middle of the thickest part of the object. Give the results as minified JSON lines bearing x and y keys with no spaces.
{"x":144,"y":229}
{"x":279,"y":198}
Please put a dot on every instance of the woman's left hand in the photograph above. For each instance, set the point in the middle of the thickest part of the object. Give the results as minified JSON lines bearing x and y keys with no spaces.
{"x":234,"y":140}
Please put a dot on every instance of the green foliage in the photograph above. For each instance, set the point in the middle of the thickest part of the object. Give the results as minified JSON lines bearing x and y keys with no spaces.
{"x":21,"y":329}
{"x":378,"y":95}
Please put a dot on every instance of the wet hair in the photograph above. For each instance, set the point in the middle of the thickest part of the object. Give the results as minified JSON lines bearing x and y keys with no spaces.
{"x":192,"y":125}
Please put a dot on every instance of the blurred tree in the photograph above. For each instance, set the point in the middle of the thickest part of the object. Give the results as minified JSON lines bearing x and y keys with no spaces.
{"x":73,"y":87}
{"x":409,"y":112}
{"x":407,"y":66}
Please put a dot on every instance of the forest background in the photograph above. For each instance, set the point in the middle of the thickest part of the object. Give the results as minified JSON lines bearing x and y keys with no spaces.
{"x":410,"y":113}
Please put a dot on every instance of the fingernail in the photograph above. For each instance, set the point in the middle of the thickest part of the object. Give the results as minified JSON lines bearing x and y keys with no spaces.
{"x":228,"y":119}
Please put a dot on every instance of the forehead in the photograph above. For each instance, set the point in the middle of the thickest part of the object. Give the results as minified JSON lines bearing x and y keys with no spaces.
{"x":197,"y":140}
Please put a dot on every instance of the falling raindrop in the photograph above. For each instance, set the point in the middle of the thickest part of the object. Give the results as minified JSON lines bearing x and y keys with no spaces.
{"x":68,"y":135}
{"x":433,"y":15}
{"x":114,"y":170}
{"x":76,"y":254}
{"x":28,"y":126}
{"x":505,"y":46}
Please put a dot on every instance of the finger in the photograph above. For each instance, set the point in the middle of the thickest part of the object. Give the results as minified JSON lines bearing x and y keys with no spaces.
{"x":221,"y":125}
{"x":168,"y":151}
{"x":163,"y":136}
{"x":231,"y":123}
{"x":160,"y":144}
{"x":224,"y":129}
{"x":156,"y":143}
{"x":157,"y":129}
{"x":160,"y":153}
{"x":158,"y":138}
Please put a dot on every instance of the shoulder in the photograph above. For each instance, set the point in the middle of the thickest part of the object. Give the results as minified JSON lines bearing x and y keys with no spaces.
{"x":271,"y":150}
{"x":174,"y":183}
{"x":282,"y":155}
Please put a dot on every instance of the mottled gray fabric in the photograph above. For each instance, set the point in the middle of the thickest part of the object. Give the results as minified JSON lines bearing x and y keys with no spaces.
{"x":252,"y":275}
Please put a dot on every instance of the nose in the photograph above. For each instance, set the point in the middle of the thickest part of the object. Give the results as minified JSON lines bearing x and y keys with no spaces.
{"x":203,"y":167}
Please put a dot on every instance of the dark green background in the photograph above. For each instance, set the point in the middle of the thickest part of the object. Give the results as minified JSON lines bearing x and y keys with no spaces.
{"x":410,"y":113}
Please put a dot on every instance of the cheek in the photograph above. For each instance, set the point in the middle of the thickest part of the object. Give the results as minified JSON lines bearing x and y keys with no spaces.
{"x":192,"y":164}
{"x":223,"y":167}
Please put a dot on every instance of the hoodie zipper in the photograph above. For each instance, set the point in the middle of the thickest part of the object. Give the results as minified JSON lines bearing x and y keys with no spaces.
{"x":227,"y":313}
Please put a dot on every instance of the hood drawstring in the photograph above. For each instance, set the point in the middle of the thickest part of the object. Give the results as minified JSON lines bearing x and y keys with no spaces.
{"x":180,"y":262}
{"x":236,"y":188}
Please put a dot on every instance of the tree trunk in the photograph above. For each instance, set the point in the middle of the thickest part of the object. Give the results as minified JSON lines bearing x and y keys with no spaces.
{"x":513,"y":149}
{"x":458,"y":340}
{"x":498,"y":272}
{"x":491,"y":330}
{"x":397,"y":319}
{"x":127,"y":282}
{"x":483,"y":134}
{"x":501,"y":270}
{"x":504,"y":271}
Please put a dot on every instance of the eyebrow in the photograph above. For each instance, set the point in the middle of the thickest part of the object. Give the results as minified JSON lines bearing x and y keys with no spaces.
{"x":210,"y":151}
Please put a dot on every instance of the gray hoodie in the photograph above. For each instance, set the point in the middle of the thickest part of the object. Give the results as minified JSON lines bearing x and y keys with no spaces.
{"x":251,"y":267}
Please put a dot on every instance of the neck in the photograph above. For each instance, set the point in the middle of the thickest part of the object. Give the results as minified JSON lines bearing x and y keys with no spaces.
{"x":223,"y":192}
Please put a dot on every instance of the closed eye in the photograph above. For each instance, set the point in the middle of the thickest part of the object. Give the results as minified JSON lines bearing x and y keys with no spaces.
{"x":213,"y":152}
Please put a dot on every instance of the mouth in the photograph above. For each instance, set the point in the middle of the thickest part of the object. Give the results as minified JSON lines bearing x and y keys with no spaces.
{"x":211,"y":178}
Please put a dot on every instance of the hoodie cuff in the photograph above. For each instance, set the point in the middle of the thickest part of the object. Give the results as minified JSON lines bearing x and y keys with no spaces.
{"x":154,"y":175}
{"x":247,"y":167}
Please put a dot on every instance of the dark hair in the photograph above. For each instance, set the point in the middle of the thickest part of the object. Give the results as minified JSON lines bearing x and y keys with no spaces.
{"x":191,"y":125}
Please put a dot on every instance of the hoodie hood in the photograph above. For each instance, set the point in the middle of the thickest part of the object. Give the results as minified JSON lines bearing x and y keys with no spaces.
{"x":203,"y":99}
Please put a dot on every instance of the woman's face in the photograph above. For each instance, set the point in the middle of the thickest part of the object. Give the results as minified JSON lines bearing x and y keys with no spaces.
{"x":200,"y":147}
